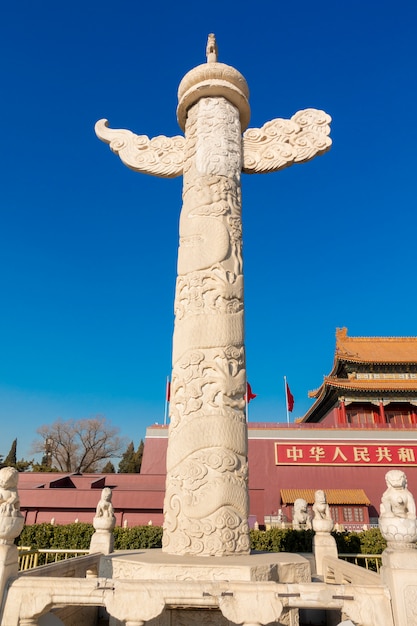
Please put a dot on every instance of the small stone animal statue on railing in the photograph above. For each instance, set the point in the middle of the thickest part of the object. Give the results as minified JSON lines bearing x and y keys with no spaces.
{"x":104,"y":517}
{"x":11,"y":520}
{"x":104,"y":521}
{"x":397,"y":520}
{"x":322,"y":521}
{"x":301,"y":519}
{"x":397,"y":501}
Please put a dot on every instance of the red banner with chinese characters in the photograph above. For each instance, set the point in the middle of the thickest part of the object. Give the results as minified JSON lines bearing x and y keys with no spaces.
{"x":340,"y":453}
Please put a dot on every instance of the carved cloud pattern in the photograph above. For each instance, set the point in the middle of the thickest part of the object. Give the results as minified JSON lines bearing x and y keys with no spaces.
{"x":280,"y":143}
{"x":160,"y":156}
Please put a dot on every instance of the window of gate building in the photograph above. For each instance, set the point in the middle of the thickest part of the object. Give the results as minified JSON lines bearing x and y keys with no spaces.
{"x":361,"y":415}
{"x":398,"y":416}
{"x":353,"y":515}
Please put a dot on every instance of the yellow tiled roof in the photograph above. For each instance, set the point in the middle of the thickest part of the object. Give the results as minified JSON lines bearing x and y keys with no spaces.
{"x":401,"y":385}
{"x":373,"y":384}
{"x":375,"y":349}
{"x":333,"y":496}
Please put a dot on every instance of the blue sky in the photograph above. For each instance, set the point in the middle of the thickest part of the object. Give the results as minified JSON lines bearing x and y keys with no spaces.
{"x":88,"y":247}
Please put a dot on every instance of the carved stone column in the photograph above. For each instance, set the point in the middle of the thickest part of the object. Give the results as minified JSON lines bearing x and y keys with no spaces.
{"x":206,"y":502}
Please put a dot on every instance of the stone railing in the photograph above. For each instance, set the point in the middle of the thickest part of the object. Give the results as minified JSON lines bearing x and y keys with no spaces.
{"x":82,"y":567}
{"x":339,"y":572}
{"x":367,"y":561}
{"x":29,"y":558}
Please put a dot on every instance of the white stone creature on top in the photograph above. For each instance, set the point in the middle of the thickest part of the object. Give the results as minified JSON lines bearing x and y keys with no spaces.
{"x":397,"y":521}
{"x":301,"y":519}
{"x":104,"y":518}
{"x":9,"y":498}
{"x":322,"y":521}
{"x":397,"y":501}
{"x":11,"y":520}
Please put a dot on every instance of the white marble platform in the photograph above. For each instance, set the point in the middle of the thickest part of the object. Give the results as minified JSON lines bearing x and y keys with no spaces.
{"x":157,"y":565}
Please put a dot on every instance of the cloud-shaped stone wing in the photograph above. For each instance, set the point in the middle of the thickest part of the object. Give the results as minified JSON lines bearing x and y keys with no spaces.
{"x":280,"y":143}
{"x":160,"y":156}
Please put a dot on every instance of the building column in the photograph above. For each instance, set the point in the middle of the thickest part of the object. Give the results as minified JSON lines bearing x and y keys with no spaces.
{"x":342,"y":411}
{"x":382,"y":418}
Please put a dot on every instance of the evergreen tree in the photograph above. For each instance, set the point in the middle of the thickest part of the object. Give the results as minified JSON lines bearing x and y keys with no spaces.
{"x":108,"y":468}
{"x":126,"y":465}
{"x":44,"y":465}
{"x":23,"y":466}
{"x":131,"y":461}
{"x":139,"y":455}
{"x":11,"y":459}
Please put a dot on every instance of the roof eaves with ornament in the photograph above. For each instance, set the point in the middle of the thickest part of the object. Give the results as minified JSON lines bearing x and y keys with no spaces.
{"x":372,"y":385}
{"x":372,"y":351}
{"x":375,"y":350}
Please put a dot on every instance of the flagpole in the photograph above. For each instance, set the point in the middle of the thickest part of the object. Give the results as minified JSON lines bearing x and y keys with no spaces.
{"x":248,"y":397}
{"x":286,"y":400}
{"x":166,"y":401}
{"x":246,"y":403}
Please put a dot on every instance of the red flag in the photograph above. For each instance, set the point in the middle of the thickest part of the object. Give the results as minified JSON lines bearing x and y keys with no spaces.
{"x":168,"y":391}
{"x":249,"y":395}
{"x":290,"y":399}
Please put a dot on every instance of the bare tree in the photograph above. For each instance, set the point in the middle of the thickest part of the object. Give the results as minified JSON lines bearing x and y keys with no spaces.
{"x":79,"y":445}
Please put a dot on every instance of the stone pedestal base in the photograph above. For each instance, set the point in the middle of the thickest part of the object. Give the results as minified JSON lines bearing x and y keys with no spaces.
{"x":324,"y":544}
{"x":157,"y":565}
{"x":102,"y":541}
{"x":399,"y":574}
{"x":8,"y":565}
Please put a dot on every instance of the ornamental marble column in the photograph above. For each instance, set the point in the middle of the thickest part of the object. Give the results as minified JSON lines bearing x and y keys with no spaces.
{"x":206,"y":500}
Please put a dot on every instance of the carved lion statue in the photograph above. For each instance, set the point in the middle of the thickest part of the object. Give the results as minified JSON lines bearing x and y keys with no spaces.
{"x":300,"y":520}
{"x":397,"y":501}
{"x":9,"y":498}
{"x":104,"y":519}
{"x":397,"y":520}
{"x":105,"y":507}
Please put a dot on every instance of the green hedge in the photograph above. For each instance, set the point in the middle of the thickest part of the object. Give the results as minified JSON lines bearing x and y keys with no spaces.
{"x":137,"y":537}
{"x":71,"y":536}
{"x":288,"y":540}
{"x":78,"y":536}
{"x":282,"y":540}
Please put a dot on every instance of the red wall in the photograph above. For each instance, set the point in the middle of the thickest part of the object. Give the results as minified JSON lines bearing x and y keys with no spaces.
{"x":139,"y":497}
{"x":264,"y":474}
